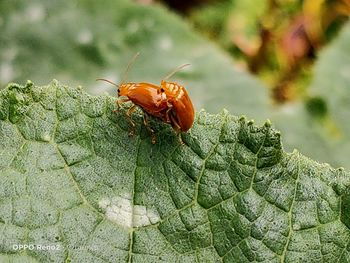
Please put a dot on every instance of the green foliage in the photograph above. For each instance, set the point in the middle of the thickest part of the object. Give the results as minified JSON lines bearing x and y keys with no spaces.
{"x":79,"y":41}
{"x":320,"y":127}
{"x":72,"y":178}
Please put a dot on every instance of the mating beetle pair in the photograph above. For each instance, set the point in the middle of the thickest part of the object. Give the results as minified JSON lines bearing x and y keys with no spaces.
{"x":168,"y":102}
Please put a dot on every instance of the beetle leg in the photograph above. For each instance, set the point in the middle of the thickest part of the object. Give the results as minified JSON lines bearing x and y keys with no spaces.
{"x":150,"y":131}
{"x":128,"y":114}
{"x":167,"y":113}
{"x":119,"y":104}
{"x":177,"y":128}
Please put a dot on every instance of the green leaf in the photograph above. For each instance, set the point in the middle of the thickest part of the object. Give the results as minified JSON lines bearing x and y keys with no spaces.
{"x":72,"y":180}
{"x":78,"y":41}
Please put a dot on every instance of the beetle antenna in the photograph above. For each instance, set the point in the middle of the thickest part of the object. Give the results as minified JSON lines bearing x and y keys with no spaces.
{"x":125,"y":72}
{"x":176,"y":70}
{"x":110,"y":82}
{"x":129,"y":65}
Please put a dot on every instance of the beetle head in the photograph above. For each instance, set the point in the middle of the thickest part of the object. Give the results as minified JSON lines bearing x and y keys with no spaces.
{"x":124,"y":88}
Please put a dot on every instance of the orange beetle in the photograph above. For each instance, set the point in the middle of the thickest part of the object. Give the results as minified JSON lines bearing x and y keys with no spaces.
{"x":146,"y":96}
{"x":181,"y":114}
{"x":169,"y":102}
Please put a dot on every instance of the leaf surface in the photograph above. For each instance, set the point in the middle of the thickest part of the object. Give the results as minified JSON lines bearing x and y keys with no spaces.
{"x":71,"y":178}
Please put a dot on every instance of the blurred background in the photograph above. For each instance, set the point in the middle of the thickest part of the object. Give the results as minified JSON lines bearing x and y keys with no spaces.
{"x":283,"y":60}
